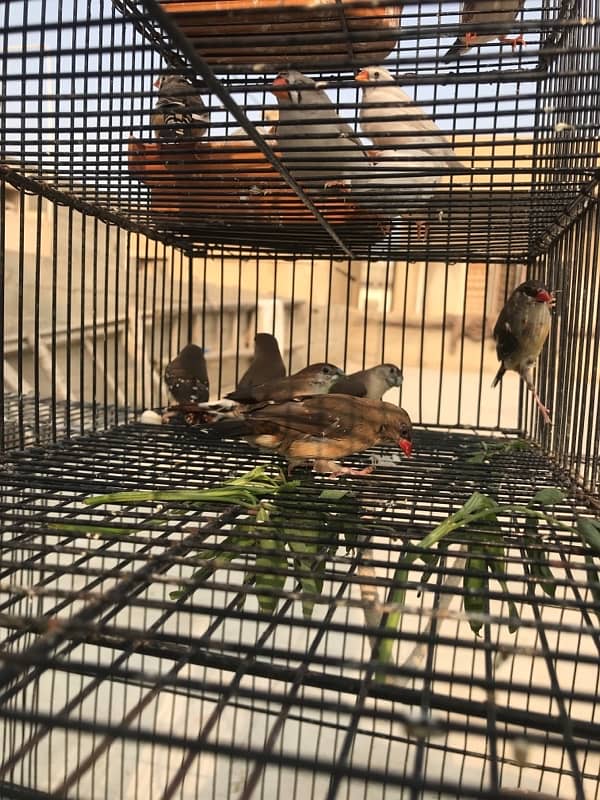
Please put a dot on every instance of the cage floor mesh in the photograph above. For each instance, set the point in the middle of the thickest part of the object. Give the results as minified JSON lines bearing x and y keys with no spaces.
{"x":110,"y":687}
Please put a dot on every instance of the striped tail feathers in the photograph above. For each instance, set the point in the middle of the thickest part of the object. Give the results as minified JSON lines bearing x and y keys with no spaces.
{"x":499,"y":376}
{"x":457,"y":50}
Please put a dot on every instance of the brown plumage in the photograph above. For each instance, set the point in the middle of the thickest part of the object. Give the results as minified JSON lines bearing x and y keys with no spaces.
{"x":520,"y":333}
{"x":186,"y":376}
{"x":372,"y":383}
{"x":475,"y":13}
{"x":266,"y":365}
{"x":321,"y":428}
{"x":180,"y":111}
{"x":314,"y":379}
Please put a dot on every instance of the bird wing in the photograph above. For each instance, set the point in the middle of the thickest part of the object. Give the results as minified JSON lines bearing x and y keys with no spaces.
{"x":470,"y":11}
{"x":300,"y":418}
{"x":351,"y":384}
{"x":506,"y":341}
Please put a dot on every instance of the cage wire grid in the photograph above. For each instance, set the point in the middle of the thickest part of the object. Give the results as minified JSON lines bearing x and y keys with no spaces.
{"x":460,"y":715}
{"x":109,"y":685}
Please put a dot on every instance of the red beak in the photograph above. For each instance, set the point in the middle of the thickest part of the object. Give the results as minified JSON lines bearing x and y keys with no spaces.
{"x":363,"y":75}
{"x":405,"y":446}
{"x":280,"y":81}
{"x":156,"y":83}
{"x":543,"y":296}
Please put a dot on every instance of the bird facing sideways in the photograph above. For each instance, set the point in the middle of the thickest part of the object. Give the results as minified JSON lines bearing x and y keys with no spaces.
{"x":391,"y":119}
{"x":372,"y":383}
{"x":412,"y":156}
{"x":475,"y":13}
{"x":180,"y":111}
{"x":186,"y":376}
{"x":266,"y":365}
{"x":319,"y":148}
{"x":314,"y":379}
{"x":520,"y":333}
{"x":321,"y":429}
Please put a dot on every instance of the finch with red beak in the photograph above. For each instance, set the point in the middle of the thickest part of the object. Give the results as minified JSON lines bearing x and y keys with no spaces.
{"x":520,"y":333}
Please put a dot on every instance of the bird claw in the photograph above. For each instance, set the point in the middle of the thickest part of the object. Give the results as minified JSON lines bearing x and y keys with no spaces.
{"x":518,"y":40}
{"x":352,"y":471}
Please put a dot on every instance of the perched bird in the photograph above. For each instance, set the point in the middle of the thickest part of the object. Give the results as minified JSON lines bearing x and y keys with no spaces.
{"x":180,"y":111}
{"x":415,"y":153}
{"x":186,"y":376}
{"x":475,"y":13}
{"x":266,"y":365}
{"x":314,"y":379}
{"x":372,"y":383}
{"x":321,"y":428}
{"x":319,"y":148}
{"x":520,"y":332}
{"x":401,"y":124}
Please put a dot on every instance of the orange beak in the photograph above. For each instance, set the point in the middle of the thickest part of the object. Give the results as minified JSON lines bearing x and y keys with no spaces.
{"x":405,"y":446}
{"x":156,"y":83}
{"x":280,"y":81}
{"x":363,"y":75}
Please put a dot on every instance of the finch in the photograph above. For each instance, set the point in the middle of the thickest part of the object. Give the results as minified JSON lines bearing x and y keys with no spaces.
{"x":520,"y":333}
{"x":372,"y":383}
{"x":266,"y":365}
{"x":319,"y":148}
{"x":180,"y":111}
{"x":485,"y":12}
{"x":314,"y":379}
{"x":186,"y":376}
{"x":320,"y":429}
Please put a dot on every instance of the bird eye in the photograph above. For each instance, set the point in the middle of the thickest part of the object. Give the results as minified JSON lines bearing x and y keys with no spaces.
{"x":376,"y":74}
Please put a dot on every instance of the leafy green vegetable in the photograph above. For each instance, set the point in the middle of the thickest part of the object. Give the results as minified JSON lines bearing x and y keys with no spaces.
{"x":589,"y":531}
{"x":490,"y":449}
{"x":484,"y":510}
{"x":475,"y":584}
{"x":549,"y":496}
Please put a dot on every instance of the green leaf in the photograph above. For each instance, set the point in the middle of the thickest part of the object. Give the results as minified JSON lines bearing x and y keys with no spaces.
{"x":549,"y":496}
{"x":538,"y":558}
{"x":391,"y":621}
{"x":91,"y":529}
{"x":273,"y":558}
{"x":475,"y":583}
{"x":497,"y":567}
{"x":589,"y":531}
{"x":594,"y":581}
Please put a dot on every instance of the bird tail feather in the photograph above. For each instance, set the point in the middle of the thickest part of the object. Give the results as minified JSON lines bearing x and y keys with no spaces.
{"x":458,"y":49}
{"x":499,"y":376}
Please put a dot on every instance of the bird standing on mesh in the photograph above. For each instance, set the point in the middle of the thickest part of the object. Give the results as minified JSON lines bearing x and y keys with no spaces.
{"x":321,"y":429}
{"x":372,"y":383}
{"x":499,"y":13}
{"x":520,"y":333}
{"x":314,"y":379}
{"x":414,"y":153}
{"x":318,"y":146}
{"x":266,"y":365}
{"x":180,"y":111}
{"x":186,"y":376}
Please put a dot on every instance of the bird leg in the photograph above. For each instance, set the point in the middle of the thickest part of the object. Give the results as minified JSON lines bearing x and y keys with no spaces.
{"x":334,"y":469}
{"x":543,"y":410}
{"x":518,"y":40}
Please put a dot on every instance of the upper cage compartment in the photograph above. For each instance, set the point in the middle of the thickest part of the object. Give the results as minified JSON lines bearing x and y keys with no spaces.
{"x":525,"y":151}
{"x":299,"y":644}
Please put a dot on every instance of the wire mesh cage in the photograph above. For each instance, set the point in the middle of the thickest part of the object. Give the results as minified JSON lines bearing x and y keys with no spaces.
{"x":183,"y":616}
